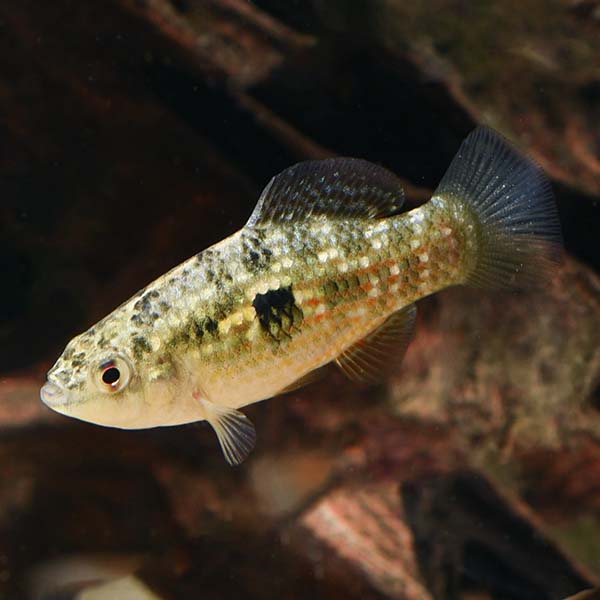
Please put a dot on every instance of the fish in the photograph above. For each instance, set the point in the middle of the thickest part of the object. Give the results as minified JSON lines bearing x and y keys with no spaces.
{"x":326,"y":271}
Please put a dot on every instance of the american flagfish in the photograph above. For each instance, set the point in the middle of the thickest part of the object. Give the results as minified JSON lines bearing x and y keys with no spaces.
{"x":326,"y":270}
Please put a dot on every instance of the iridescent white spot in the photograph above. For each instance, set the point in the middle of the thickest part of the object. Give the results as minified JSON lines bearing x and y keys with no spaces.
{"x":394,"y":270}
{"x":446,"y":231}
{"x":373,"y":293}
{"x":382,"y":226}
{"x":320,"y":309}
{"x":424,"y":257}
{"x":394,"y":288}
{"x":364,"y":261}
{"x":276,"y":267}
{"x":414,"y":244}
{"x":287,"y":262}
{"x":343,"y":267}
{"x":373,"y":279}
{"x":424,"y":274}
{"x":333,"y":253}
{"x":376,"y":243}
{"x":322,"y":256}
{"x":417,"y":217}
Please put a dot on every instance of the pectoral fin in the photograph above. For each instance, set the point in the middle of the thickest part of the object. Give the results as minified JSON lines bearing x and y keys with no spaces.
{"x":234,"y":430}
{"x":372,"y":358}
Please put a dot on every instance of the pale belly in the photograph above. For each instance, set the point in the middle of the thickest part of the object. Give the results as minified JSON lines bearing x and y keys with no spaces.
{"x":254,"y":376}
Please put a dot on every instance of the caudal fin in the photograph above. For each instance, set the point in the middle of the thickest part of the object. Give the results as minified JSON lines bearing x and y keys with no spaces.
{"x":517,"y":226}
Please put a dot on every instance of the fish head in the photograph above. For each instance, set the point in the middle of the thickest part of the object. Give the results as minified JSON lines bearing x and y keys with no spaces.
{"x":112,"y":377}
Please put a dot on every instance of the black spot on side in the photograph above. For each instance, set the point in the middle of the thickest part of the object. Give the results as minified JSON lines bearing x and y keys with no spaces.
{"x":278,"y":313}
{"x":197,"y":330}
{"x":210,"y":325}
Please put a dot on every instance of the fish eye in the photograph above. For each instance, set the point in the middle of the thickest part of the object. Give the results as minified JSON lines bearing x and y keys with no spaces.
{"x":113,"y":374}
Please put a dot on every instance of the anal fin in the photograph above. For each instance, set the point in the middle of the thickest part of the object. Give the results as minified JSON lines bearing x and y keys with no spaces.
{"x":235,"y":431}
{"x":372,"y":358}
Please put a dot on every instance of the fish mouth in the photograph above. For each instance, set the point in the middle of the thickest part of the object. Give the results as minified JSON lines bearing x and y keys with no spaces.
{"x":53,"y":396}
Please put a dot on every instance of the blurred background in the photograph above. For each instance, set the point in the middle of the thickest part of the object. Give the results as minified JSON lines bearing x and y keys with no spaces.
{"x":136,"y":133}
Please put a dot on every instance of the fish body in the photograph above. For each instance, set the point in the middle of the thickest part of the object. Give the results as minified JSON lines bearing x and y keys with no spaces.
{"x":327,"y":269}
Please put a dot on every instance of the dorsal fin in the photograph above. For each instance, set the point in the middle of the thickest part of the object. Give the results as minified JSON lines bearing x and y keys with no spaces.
{"x":337,"y":187}
{"x":372,"y":358}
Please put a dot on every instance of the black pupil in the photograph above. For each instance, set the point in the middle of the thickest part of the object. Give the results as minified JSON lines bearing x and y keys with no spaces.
{"x":111,"y":375}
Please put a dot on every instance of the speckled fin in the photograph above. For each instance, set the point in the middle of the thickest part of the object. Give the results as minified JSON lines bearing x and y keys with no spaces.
{"x":234,"y":430}
{"x":336,"y":187}
{"x":371,"y":359}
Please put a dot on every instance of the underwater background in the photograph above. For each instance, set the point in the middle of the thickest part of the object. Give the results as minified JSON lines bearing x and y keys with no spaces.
{"x":135,"y":133}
